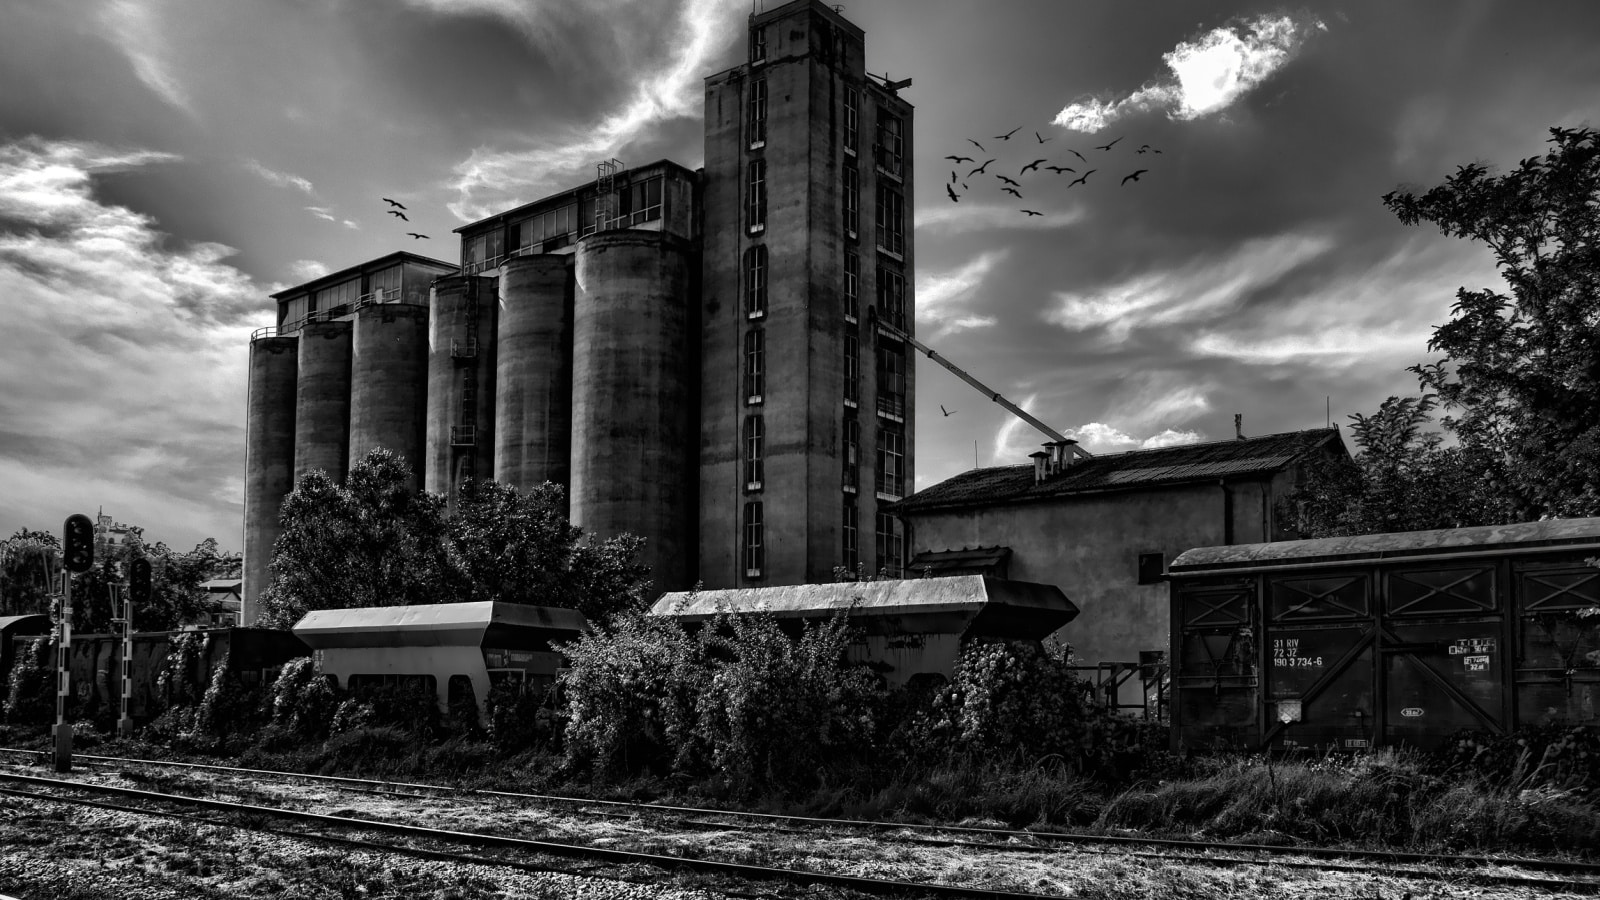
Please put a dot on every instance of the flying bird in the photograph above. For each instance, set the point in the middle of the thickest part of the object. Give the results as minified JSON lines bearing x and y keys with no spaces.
{"x":1007,"y":135}
{"x":396,"y":212}
{"x":1042,"y":140}
{"x":952,"y":176}
{"x":952,"y":192}
{"x":1109,"y":146}
{"x":394,"y":203}
{"x":1032,"y":213}
{"x":948,"y":412}
{"x":958,"y":160}
{"x":1059,"y":169}
{"x":1033,"y":165}
{"x":1134,"y":176}
{"x":1012,"y":192}
{"x":1009,"y":181}
{"x":1077,"y":154}
{"x":415,"y":235}
{"x":1084,"y":178}
{"x":976,"y":144}
{"x":979,"y":170}
{"x":1144,"y":148}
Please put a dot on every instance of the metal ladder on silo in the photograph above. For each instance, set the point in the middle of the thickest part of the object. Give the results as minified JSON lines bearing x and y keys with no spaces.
{"x":464,"y":436}
{"x":605,"y":185}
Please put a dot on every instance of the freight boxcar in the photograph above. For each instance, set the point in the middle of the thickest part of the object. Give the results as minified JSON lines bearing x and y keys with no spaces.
{"x":1386,"y":639}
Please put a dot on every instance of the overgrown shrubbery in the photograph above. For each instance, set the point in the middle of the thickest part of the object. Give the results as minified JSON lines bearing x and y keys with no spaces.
{"x":29,"y":697}
{"x":1556,"y":755}
{"x":301,"y":702}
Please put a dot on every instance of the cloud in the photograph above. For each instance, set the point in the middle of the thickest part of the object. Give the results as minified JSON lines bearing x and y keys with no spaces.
{"x":351,"y":225}
{"x":962,"y":218}
{"x":671,"y":90}
{"x":1195,"y":291}
{"x":135,"y":31}
{"x":281,"y":179}
{"x":940,"y":296}
{"x":1205,"y":75}
{"x":306,"y":269}
{"x":1016,"y":438}
{"x":125,"y":321}
{"x":323,"y":212}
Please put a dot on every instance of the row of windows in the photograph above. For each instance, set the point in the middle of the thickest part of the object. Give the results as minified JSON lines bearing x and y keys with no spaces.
{"x":383,"y":284}
{"x":636,"y":203}
{"x":890,"y":540}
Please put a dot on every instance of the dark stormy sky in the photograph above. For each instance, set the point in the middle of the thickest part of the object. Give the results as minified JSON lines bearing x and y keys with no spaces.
{"x":165,"y":164}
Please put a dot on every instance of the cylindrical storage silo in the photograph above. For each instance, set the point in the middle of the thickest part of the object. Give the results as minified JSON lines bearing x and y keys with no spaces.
{"x":322,"y":405}
{"x":632,"y":451}
{"x":460,"y":429}
{"x":533,"y":372}
{"x":389,"y":383}
{"x":269,"y":458}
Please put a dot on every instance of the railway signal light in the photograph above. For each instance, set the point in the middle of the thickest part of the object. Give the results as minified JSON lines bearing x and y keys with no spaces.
{"x":78,"y":534}
{"x":139,"y":583}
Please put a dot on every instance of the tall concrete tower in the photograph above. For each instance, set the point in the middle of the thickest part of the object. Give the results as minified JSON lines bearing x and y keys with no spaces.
{"x":806,"y":404}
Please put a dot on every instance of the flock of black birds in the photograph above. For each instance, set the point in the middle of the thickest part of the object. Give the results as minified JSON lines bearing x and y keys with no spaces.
{"x":1013,"y":186}
{"x":399,"y":211}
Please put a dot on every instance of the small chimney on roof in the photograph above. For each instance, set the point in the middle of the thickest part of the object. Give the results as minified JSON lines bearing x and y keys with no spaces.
{"x":1038,"y":457}
{"x":1238,"y":426}
{"x":1055,"y":458}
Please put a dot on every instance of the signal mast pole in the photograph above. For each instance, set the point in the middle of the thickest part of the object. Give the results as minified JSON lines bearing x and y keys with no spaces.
{"x":77,"y":556}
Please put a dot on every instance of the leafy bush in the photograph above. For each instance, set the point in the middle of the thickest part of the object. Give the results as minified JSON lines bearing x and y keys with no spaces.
{"x":631,"y":690}
{"x":1556,"y":755}
{"x":30,"y":694}
{"x":228,"y":707}
{"x":300,"y":702}
{"x":777,"y":709}
{"x":180,"y":682}
{"x":518,"y":718}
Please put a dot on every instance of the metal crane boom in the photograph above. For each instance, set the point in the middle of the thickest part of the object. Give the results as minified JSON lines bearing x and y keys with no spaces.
{"x":992,"y":394}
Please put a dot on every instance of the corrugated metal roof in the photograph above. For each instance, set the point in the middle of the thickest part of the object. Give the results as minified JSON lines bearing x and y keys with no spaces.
{"x":956,"y":593}
{"x":1124,"y":471}
{"x":1443,"y":541}
{"x":433,"y":625}
{"x":975,"y":561}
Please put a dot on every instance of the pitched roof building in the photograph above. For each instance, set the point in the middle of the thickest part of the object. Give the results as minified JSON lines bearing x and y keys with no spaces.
{"x":1101,"y":528}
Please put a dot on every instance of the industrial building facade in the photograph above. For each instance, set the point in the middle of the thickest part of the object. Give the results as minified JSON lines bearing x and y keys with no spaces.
{"x":693,"y":354}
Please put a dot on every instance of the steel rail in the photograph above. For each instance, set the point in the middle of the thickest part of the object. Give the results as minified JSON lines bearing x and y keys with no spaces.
{"x":1575,"y":867}
{"x":665,"y":861}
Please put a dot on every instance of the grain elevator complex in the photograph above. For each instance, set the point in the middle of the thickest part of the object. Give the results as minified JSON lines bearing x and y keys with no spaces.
{"x":693,"y":354}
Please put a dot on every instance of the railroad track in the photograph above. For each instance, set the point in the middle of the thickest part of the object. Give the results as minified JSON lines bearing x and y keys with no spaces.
{"x":1580,"y":876}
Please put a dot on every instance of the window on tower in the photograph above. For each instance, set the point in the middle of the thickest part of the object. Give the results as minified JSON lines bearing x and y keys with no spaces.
{"x":755,"y":365}
{"x":852,"y":285}
{"x":852,"y":201}
{"x":891,"y":144}
{"x":892,"y":297}
{"x":852,"y":119}
{"x":891,"y":220}
{"x":758,"y":45}
{"x":756,"y":211}
{"x":852,"y":549}
{"x":852,"y":370}
{"x":758,"y":113}
{"x":891,"y":557}
{"x":892,"y":380}
{"x":755,"y":282}
{"x":852,"y":454}
{"x":639,"y":202}
{"x":755,"y":556}
{"x":891,"y":461}
{"x":754,"y":448}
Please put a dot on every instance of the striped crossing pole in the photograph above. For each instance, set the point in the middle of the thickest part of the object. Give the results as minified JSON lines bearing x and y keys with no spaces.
{"x":77,"y":555}
{"x":125,"y":722}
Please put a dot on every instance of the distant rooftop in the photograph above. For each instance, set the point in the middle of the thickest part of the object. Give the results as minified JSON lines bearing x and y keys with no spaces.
{"x":395,"y":258}
{"x":1125,"y":471}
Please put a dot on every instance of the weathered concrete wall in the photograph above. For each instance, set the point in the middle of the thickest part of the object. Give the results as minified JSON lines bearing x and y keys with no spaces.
{"x":269,"y":458}
{"x":632,"y":363}
{"x":322,"y":401}
{"x":389,"y":384}
{"x":1089,"y":546}
{"x":533,"y":372}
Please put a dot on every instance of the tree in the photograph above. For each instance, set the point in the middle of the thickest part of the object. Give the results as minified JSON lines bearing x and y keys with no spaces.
{"x":520,"y":547}
{"x":1521,"y":370}
{"x":28,"y":564}
{"x":1402,"y":480}
{"x":176,"y":595}
{"x":369,"y":542}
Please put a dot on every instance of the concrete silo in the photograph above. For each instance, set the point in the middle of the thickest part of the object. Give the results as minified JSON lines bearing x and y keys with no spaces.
{"x":322,"y":400}
{"x":389,"y":383}
{"x":461,"y":378}
{"x":634,"y":454}
{"x":269,"y":455}
{"x":533,"y":371}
